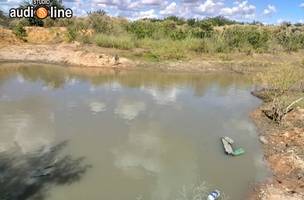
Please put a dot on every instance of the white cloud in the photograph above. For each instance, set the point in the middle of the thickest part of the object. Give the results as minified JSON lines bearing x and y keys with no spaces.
{"x":145,"y":14}
{"x":151,"y":2}
{"x":280,"y":21}
{"x":170,"y":9}
{"x":242,"y":9}
{"x":270,"y":10}
{"x":302,"y":5}
{"x":210,"y":7}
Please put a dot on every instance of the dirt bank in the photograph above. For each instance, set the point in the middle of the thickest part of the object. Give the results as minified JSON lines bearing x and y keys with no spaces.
{"x":48,"y":46}
{"x":283,"y":150}
{"x":75,"y":54}
{"x":69,"y":54}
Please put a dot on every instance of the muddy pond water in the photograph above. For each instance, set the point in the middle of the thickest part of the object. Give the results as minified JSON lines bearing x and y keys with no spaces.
{"x":144,"y":135}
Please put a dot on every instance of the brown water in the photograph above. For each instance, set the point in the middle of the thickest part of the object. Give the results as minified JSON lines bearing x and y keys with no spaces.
{"x":146,"y":135}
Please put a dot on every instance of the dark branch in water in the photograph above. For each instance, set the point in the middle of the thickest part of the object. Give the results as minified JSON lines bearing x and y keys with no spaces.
{"x":26,"y":176}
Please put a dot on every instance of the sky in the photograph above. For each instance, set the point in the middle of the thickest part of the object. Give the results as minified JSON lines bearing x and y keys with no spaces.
{"x":266,"y":11}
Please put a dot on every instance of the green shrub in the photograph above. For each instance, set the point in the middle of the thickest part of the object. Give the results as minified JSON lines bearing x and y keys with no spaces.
{"x":289,"y":40}
{"x":258,"y":38}
{"x":100,"y":23}
{"x":19,"y":31}
{"x":178,"y":34}
{"x":4,"y":19}
{"x":142,"y":29}
{"x":72,"y":33}
{"x":169,"y":50}
{"x":200,"y":33}
{"x":165,"y":49}
{"x":121,"y":42}
{"x":243,"y":38}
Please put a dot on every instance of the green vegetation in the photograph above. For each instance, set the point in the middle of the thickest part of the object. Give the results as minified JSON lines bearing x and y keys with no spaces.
{"x":3,"y":19}
{"x":108,"y":41}
{"x":174,"y":38}
{"x":19,"y":31}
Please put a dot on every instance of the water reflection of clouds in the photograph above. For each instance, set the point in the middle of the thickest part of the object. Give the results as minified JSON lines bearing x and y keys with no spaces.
{"x":24,"y":131}
{"x":20,"y":78}
{"x":142,"y":151}
{"x":114,"y":86}
{"x":129,"y":110}
{"x":92,"y":89}
{"x":71,"y":81}
{"x":27,"y":124}
{"x":163,"y":96}
{"x":170,"y":161}
{"x":4,"y":97}
{"x":96,"y":106}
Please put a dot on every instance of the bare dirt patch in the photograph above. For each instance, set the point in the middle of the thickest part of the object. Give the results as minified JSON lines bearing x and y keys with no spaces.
{"x":8,"y":38}
{"x":69,"y":54}
{"x":284,"y":152}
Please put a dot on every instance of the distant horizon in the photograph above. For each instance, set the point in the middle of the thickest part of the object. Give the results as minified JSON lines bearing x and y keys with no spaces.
{"x":266,"y":12}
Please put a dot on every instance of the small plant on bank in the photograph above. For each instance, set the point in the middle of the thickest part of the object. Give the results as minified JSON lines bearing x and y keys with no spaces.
{"x":20,"y":32}
{"x":282,"y":87}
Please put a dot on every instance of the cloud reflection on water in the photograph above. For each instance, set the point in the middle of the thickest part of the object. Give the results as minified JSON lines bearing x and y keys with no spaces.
{"x":26,"y":124}
{"x":129,"y":110}
{"x":149,"y":153}
{"x":162,"y":96}
{"x":97,"y":107}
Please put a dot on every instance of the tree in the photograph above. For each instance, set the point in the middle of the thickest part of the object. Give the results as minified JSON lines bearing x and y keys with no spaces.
{"x":4,"y":20}
{"x":2,"y":14}
{"x":191,"y":22}
{"x":179,"y":21}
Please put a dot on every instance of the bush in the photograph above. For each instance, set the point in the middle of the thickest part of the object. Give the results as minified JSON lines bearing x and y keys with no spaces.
{"x":178,"y":34}
{"x":142,"y":29}
{"x":245,"y":37}
{"x":289,"y":40}
{"x":101,"y":23}
{"x":121,"y":42}
{"x":19,"y":31}
{"x":4,"y":20}
{"x":169,"y":50}
{"x":72,"y":33}
{"x":258,"y":39}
